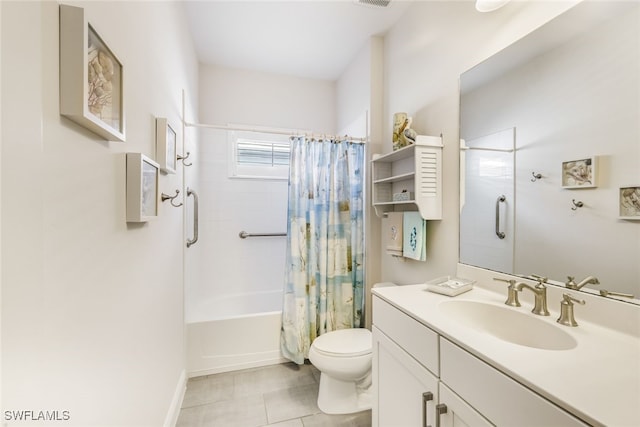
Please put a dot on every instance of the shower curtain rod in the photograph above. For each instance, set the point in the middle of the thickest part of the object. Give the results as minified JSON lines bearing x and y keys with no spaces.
{"x":275,"y":131}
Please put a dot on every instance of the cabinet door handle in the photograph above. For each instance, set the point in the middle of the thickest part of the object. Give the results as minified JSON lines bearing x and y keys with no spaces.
{"x":426,"y":396}
{"x":441,"y":408}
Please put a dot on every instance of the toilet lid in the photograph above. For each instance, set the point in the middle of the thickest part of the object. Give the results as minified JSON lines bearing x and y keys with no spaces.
{"x":345,"y":342}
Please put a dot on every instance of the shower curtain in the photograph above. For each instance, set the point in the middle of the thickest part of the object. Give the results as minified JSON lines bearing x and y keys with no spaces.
{"x":324,"y":288}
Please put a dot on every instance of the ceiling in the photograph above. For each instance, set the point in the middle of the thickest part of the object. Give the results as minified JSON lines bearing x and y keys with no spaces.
{"x":306,"y":38}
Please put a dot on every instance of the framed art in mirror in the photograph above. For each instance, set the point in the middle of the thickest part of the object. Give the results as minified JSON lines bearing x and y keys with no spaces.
{"x":581,"y":173}
{"x":166,"y":142}
{"x":630,"y":203}
{"x":142,"y":188}
{"x":91,"y":77}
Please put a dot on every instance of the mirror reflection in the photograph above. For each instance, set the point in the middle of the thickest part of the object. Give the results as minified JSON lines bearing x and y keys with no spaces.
{"x":550,"y":147}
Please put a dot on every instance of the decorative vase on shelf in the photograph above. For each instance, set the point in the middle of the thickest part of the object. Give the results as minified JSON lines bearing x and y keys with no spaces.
{"x":403,"y":135}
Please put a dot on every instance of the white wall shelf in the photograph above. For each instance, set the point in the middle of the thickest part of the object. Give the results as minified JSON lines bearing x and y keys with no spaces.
{"x":416,"y":168}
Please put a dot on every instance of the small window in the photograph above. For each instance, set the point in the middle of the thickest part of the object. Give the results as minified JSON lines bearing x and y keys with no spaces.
{"x":251,"y":152}
{"x":259,"y":156}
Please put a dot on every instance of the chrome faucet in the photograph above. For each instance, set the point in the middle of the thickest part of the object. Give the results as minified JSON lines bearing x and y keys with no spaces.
{"x":570,"y":284}
{"x":566,"y":310}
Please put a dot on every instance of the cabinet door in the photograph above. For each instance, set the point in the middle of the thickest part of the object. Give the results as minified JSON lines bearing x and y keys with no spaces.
{"x":458,"y":412}
{"x":498,"y":397}
{"x":399,"y":387}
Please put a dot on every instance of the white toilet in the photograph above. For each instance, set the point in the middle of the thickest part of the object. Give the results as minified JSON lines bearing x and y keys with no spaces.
{"x":343,"y":358}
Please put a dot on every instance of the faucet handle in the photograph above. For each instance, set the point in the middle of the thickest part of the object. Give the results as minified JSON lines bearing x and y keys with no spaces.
{"x":541,"y":279}
{"x":570,"y":300}
{"x":512,"y":292}
{"x":566,"y":310}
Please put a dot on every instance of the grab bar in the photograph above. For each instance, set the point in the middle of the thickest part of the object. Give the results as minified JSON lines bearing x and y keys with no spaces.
{"x":190,"y":192}
{"x":499,"y":233}
{"x":244,"y":234}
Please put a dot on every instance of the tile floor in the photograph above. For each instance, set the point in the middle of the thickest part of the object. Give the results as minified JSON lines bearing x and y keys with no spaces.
{"x":276,"y":396}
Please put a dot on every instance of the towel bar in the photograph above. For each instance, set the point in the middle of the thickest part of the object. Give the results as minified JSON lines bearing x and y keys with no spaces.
{"x":244,"y":234}
{"x":190,"y":192}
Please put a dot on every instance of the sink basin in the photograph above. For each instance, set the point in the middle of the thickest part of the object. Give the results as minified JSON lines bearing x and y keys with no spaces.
{"x":507,"y":324}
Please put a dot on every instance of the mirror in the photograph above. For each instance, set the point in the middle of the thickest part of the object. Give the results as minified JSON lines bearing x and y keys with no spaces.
{"x":550,"y":152}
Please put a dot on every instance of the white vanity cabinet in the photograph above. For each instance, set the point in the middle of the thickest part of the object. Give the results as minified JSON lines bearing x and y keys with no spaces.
{"x":457,"y":412}
{"x":406,"y":368}
{"x":410,"y":359}
{"x":406,"y":392}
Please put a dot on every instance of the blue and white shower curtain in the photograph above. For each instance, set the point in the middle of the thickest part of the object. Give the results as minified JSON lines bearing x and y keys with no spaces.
{"x":324,"y":275}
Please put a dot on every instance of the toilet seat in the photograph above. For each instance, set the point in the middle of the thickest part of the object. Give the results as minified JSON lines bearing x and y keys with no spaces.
{"x":344,"y":343}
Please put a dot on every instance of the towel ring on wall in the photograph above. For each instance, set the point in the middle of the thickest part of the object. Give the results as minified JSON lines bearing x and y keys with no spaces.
{"x":183,"y":158}
{"x":164,"y":197}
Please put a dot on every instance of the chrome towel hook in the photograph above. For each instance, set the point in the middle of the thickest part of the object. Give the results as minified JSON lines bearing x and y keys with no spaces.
{"x":164,"y":197}
{"x":183,"y":158}
{"x":576,"y":205}
{"x":536,"y":176}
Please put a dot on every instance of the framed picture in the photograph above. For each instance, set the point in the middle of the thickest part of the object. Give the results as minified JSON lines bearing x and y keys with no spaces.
{"x":580,"y":173}
{"x":630,"y":203}
{"x":142,"y":188}
{"x":166,"y":141}
{"x":91,"y":77}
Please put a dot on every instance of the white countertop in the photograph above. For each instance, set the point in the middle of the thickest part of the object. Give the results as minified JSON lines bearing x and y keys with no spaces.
{"x":598,"y":380}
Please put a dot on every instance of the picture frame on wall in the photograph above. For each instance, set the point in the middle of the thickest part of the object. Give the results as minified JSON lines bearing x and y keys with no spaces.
{"x":91,"y":77}
{"x":581,"y":173}
{"x":142,"y":188}
{"x":629,"y":202}
{"x":166,"y":146}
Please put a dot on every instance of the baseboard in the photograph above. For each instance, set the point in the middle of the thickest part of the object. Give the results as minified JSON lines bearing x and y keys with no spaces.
{"x":237,"y":367}
{"x":176,"y":402}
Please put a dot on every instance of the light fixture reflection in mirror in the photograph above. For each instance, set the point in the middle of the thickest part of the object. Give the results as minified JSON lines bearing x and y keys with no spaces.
{"x":490,"y":5}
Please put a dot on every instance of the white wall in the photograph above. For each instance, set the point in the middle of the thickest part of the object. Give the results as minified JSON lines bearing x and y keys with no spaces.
{"x":359,"y":112}
{"x":224,"y":264}
{"x":92,"y":307}
{"x":425,"y":53}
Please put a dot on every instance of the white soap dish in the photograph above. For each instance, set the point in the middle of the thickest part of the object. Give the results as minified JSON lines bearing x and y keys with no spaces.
{"x":450,"y":286}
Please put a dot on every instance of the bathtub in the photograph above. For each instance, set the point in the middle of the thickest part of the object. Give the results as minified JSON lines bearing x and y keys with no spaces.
{"x":234,"y":332}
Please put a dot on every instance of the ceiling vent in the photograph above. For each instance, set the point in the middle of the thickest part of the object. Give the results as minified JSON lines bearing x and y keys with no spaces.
{"x":376,"y":3}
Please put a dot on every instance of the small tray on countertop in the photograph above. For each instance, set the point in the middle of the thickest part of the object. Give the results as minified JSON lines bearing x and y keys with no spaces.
{"x":450,"y":286}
